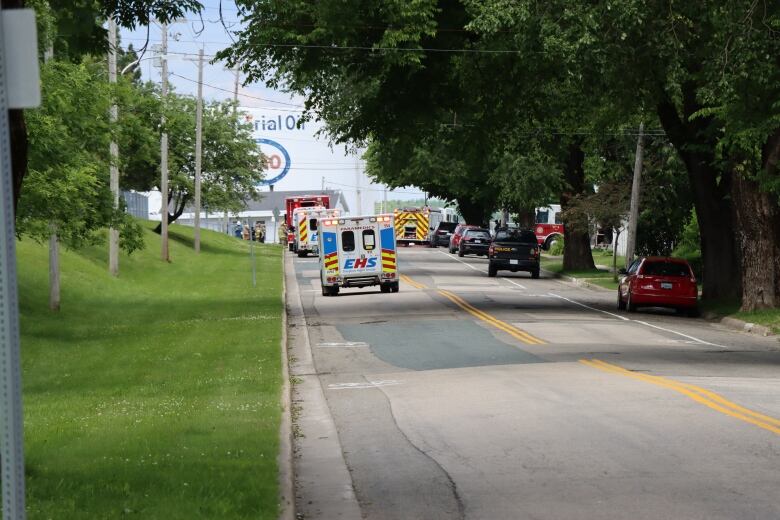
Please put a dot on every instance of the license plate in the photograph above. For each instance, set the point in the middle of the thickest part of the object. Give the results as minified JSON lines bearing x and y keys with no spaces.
{"x":478,"y":241}
{"x":666,"y":285}
{"x":513,"y":262}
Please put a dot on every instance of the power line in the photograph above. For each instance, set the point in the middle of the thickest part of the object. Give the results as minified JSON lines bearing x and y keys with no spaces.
{"x":230,"y":91}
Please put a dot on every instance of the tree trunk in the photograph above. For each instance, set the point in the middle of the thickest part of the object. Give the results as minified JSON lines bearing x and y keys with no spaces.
{"x":172,"y":217}
{"x":473,"y":212}
{"x":695,"y":143}
{"x":577,"y":255}
{"x":758,"y":219}
{"x":54,"y":269}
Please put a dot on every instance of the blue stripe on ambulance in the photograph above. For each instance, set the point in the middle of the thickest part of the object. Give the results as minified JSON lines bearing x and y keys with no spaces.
{"x":329,"y":244}
{"x":387,"y":237}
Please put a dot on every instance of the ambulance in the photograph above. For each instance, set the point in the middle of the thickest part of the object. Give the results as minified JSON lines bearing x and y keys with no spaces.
{"x":305,"y":223}
{"x":358,"y":252}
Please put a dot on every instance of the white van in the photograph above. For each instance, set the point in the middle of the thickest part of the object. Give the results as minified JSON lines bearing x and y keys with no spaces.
{"x":358,"y":252}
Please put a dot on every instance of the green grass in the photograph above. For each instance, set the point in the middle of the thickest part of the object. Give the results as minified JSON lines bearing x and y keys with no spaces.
{"x":604,"y":257}
{"x":594,"y":276}
{"x":766,"y":317}
{"x":155,"y":394}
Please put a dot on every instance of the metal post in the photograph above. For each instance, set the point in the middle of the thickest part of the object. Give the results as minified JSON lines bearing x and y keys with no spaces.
{"x":11,"y":435}
{"x":635,"y":190}
{"x":358,"y":193}
{"x":113,"y":234}
{"x":164,"y":148}
{"x":198,"y":148}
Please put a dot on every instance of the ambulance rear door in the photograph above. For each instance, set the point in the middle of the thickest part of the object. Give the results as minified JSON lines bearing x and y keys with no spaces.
{"x":359,"y":248}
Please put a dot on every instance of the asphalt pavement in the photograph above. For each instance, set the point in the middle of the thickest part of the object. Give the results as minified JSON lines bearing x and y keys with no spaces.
{"x":464,"y":396}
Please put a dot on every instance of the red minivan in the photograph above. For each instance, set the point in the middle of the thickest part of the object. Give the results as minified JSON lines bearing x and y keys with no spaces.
{"x":659,"y":282}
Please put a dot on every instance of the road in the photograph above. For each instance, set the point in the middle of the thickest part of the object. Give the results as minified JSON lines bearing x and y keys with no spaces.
{"x":464,"y":396}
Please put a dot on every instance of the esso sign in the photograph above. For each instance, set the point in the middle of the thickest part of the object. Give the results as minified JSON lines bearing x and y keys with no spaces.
{"x":278,"y":161}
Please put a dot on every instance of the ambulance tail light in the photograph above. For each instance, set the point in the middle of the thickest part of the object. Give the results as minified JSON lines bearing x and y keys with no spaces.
{"x":332,"y":279}
{"x":388,"y":276}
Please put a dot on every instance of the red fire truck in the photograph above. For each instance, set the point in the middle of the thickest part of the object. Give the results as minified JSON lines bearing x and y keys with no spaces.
{"x":548,"y":227}
{"x":301,"y":201}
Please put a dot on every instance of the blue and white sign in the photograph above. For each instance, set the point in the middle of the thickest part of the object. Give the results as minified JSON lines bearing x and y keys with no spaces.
{"x":278,"y":161}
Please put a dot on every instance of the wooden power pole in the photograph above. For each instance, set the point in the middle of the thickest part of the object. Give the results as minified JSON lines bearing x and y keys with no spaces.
{"x":635,"y":190}
{"x":113,"y":234}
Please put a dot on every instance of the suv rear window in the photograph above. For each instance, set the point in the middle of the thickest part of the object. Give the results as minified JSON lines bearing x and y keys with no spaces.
{"x":448,"y":226}
{"x":477,"y":233}
{"x":516,"y":235}
{"x":665,"y":269}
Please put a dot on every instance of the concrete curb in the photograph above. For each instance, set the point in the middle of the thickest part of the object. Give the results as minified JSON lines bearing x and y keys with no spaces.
{"x":285,"y":459}
{"x":743,"y":326}
{"x":579,"y":282}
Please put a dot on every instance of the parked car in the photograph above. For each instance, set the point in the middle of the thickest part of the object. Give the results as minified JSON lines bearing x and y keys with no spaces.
{"x":474,"y":241}
{"x":514,"y":250}
{"x":442,"y":234}
{"x":457,"y":234}
{"x":659,"y":282}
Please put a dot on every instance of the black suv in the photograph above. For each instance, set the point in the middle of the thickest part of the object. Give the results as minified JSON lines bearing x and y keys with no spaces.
{"x":514,"y":250}
{"x":441,"y":237}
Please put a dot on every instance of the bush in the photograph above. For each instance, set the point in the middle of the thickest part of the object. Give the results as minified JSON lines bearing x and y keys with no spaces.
{"x":689,"y":247}
{"x":556,"y":247}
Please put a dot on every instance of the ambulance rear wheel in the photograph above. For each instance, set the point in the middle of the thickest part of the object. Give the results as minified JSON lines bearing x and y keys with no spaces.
{"x":325,"y":291}
{"x":334,"y":290}
{"x":301,"y":254}
{"x":385,"y":287}
{"x":394,"y":287}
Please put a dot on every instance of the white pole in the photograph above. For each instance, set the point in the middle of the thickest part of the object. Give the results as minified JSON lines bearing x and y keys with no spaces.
{"x":635,"y":190}
{"x":113,"y":234}
{"x":198,"y":148}
{"x":11,"y":423}
{"x":358,"y":194}
{"x":164,"y":149}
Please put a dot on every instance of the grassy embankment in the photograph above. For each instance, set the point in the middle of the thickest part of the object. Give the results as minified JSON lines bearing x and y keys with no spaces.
{"x":155,"y":394}
{"x":599,"y":277}
{"x":767,"y":317}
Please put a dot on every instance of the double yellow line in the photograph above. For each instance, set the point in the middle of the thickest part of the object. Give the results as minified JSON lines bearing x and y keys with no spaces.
{"x":411,"y":282}
{"x":487,"y":318}
{"x":698,"y":394}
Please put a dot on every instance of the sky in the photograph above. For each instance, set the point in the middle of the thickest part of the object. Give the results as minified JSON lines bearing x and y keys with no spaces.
{"x":298,"y":160}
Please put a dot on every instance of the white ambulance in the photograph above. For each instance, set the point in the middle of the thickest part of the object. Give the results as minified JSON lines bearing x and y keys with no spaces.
{"x":306,"y":235}
{"x":358,"y":252}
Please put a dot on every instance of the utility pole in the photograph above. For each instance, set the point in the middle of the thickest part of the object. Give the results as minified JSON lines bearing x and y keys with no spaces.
{"x":198,"y":149}
{"x":235,"y":108}
{"x":113,"y":234}
{"x":384,"y":200}
{"x":635,"y":190}
{"x":164,"y":148}
{"x":358,"y":193}
{"x":323,"y":184}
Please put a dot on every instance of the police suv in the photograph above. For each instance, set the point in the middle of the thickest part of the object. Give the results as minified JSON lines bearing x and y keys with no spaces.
{"x":357,"y":252}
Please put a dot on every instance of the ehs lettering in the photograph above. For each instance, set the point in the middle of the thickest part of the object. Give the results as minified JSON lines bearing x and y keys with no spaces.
{"x":360,"y":263}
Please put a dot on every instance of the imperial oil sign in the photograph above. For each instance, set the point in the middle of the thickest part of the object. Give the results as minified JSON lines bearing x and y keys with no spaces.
{"x":270,"y":131}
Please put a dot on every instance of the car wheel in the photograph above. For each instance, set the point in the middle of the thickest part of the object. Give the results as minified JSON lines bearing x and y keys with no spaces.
{"x":301,"y":254}
{"x":535,"y":274}
{"x":630,"y":306}
{"x":452,"y":251}
{"x":621,"y":304}
{"x":693,"y":312}
{"x":461,"y":252}
{"x":492,"y":271}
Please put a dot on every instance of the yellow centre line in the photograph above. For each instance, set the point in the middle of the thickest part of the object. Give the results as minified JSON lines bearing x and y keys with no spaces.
{"x":698,"y":394}
{"x":506,"y":327}
{"x":466,"y":306}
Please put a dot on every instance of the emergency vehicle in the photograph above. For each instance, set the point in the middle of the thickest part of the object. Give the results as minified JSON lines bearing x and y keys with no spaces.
{"x":302,"y":201}
{"x":548,"y":227}
{"x":358,"y":252}
{"x":306,"y":233}
{"x":416,"y":225}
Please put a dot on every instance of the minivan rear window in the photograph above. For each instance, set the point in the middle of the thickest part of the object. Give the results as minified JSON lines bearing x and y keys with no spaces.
{"x":448,"y":226}
{"x":665,"y":269}
{"x":516,"y":235}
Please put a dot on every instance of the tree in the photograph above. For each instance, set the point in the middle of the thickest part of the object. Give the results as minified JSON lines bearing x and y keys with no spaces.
{"x":232,"y":165}
{"x":67,"y":194}
{"x":76,"y":29}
